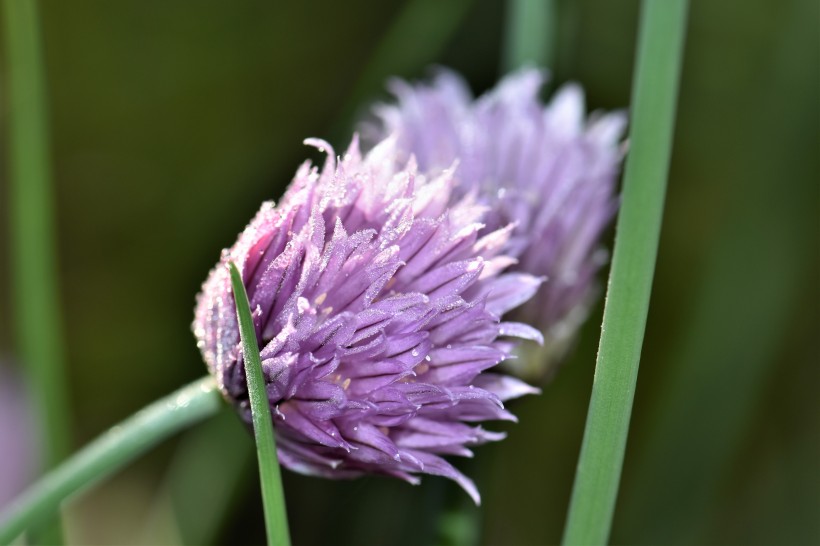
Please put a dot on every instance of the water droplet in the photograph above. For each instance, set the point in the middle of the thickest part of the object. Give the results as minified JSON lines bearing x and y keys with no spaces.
{"x":415,"y":352}
{"x":449,"y":346}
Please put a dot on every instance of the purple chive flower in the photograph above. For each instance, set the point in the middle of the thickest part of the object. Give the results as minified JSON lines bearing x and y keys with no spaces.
{"x":546,"y":169}
{"x":377,"y":297}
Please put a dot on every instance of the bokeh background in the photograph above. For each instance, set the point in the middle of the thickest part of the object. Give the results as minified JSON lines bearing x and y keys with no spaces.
{"x":172,"y":121}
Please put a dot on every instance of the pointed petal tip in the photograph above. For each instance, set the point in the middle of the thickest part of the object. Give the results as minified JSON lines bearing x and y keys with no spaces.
{"x":319,"y":144}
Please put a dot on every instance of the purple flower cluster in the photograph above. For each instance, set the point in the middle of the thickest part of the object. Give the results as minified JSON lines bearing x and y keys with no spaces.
{"x":377,"y":291}
{"x":546,"y":169}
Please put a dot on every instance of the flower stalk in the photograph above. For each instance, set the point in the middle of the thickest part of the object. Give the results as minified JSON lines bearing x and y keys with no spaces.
{"x":529,"y":38}
{"x":110,"y":452}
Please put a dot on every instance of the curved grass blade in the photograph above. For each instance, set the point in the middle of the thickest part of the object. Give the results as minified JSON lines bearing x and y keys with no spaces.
{"x":660,"y":48}
{"x":273,"y":498}
{"x":109,"y":452}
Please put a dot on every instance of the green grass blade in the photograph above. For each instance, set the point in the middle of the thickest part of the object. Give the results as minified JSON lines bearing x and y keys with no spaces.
{"x":415,"y":37}
{"x":529,"y":38}
{"x":36,"y":305}
{"x":109,"y":452}
{"x":273,"y":498}
{"x":37,"y":323}
{"x":660,"y":49}
{"x":710,"y":417}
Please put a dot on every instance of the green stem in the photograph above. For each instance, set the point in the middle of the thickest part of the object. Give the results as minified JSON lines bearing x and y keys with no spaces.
{"x":529,"y":38}
{"x":655,"y":89}
{"x":273,"y":497}
{"x":31,"y":210}
{"x":109,"y":452}
{"x":38,"y":327}
{"x":392,"y":56}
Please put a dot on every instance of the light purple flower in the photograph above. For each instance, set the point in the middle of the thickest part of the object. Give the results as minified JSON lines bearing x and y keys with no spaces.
{"x":377,"y":306}
{"x":547,"y":169}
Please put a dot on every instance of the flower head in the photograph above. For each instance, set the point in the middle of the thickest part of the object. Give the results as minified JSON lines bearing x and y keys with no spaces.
{"x":376,"y":296}
{"x":546,"y":169}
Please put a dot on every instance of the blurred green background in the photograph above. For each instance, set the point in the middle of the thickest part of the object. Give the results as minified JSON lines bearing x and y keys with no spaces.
{"x":172,"y":121}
